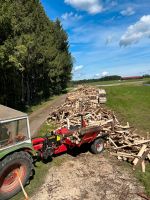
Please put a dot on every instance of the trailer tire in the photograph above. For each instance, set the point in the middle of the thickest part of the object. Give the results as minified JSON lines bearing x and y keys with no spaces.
{"x":9,"y":184}
{"x":97,"y":146}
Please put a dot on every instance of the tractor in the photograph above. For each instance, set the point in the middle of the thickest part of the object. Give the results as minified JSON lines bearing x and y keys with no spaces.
{"x":15,"y":151}
{"x":18,"y":150}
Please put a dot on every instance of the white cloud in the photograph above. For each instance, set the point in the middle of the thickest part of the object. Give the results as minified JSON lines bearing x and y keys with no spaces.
{"x":105,"y":73}
{"x":91,"y":6}
{"x":78,"y":68}
{"x":70,"y":20}
{"x":136,"y":31}
{"x":97,"y":76}
{"x":71,"y":16}
{"x":109,"y":39}
{"x":128,"y":12}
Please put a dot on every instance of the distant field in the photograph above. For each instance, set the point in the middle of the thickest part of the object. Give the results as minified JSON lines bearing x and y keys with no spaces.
{"x":104,"y":82}
{"x":125,"y":82}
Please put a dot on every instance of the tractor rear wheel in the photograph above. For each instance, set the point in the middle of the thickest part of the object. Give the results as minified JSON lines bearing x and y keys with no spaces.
{"x":97,"y":146}
{"x":17,"y":163}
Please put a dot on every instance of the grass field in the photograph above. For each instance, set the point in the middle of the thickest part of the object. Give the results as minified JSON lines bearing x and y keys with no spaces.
{"x":147,"y":82}
{"x":132,"y":103}
{"x":121,"y":82}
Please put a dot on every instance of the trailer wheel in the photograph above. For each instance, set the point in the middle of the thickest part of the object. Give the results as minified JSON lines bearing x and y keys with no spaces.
{"x":97,"y":146}
{"x":20,"y":162}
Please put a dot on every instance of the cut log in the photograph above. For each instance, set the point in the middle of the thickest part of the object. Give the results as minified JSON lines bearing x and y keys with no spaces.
{"x":123,"y":154}
{"x":140,"y":153}
{"x":148,"y":156}
{"x":138,"y":143}
{"x":143,"y":166}
{"x":142,"y":158}
{"x":111,"y":141}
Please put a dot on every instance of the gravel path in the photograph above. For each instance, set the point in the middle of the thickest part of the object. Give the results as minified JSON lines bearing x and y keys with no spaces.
{"x":90,"y":177}
{"x":38,"y":117}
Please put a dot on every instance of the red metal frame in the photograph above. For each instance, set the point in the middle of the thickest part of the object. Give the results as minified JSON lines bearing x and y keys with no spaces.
{"x":88,"y":137}
{"x":62,"y":148}
{"x":38,"y":143}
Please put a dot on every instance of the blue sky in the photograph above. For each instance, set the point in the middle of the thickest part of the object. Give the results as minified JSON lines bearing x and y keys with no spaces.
{"x":106,"y":37}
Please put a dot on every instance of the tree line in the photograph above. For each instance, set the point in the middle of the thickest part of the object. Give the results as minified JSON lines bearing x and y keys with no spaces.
{"x":35,"y":61}
{"x":106,"y":78}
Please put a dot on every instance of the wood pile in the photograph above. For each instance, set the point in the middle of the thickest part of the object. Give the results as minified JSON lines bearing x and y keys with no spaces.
{"x":123,"y":141}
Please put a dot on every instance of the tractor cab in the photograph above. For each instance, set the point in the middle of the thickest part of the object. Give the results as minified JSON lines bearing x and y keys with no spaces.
{"x":15,"y":151}
{"x":14,"y":129}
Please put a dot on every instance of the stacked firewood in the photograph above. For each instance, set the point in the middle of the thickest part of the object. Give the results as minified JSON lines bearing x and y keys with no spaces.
{"x":123,"y":140}
{"x":82,"y":101}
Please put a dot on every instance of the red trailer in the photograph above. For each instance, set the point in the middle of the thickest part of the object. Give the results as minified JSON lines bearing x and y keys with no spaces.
{"x":63,"y":139}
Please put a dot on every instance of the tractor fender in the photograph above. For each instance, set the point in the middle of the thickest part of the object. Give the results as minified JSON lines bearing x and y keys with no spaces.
{"x":21,"y":147}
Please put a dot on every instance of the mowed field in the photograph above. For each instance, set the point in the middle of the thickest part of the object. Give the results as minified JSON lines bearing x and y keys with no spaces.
{"x":121,"y":82}
{"x":131,"y":103}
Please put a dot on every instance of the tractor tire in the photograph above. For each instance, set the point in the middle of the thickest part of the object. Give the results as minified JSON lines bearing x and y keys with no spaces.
{"x":97,"y":146}
{"x":17,"y":163}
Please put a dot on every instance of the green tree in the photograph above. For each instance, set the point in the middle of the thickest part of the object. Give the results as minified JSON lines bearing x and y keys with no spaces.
{"x":35,"y":61}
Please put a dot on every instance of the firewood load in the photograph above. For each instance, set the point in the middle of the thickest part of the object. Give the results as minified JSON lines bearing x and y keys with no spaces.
{"x":123,"y":142}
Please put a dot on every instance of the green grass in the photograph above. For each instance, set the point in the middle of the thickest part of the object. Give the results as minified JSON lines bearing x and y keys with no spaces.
{"x":46,"y":128}
{"x":104,"y":82}
{"x":144,"y":178}
{"x":147,"y":82}
{"x":124,"y":82}
{"x":46,"y":102}
{"x":41,"y":169}
{"x":41,"y":104}
{"x":132,"y":104}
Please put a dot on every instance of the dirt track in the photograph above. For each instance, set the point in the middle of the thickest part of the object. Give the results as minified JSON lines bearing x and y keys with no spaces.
{"x":91,"y":177}
{"x":38,"y":117}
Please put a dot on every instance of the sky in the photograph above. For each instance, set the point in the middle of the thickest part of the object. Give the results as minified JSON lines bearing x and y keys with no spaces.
{"x":106,"y":37}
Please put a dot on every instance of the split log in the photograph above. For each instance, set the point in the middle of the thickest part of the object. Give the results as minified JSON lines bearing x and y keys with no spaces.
{"x":123,"y":154}
{"x":142,"y":158}
{"x":136,"y":144}
{"x":143,"y":166}
{"x":140,"y":154}
{"x":111,"y":141}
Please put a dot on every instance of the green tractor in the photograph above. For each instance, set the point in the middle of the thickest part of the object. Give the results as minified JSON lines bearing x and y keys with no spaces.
{"x":15,"y":151}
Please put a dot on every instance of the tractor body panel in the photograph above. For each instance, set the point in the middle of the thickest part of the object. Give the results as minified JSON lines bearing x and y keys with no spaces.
{"x":25,"y":146}
{"x":14,"y":131}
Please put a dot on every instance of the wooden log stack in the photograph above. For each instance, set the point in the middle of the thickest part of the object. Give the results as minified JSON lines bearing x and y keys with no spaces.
{"x":123,"y":141}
